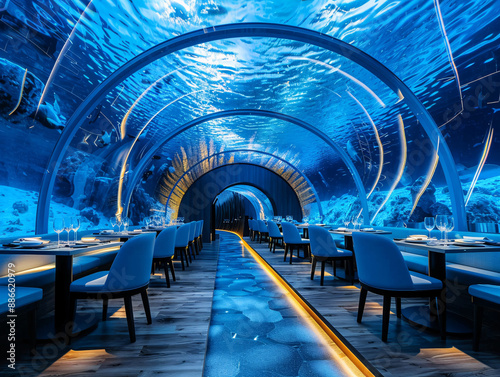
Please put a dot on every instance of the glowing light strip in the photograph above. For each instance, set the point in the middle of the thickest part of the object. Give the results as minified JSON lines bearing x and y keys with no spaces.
{"x":401,"y":167}
{"x":486,"y":151}
{"x":125,"y":118}
{"x":60,"y":57}
{"x":428,"y":179}
{"x":450,"y":57}
{"x":301,"y":304}
{"x":380,"y":146}
{"x":119,"y":209}
{"x":335,"y":69}
{"x":21,"y":93}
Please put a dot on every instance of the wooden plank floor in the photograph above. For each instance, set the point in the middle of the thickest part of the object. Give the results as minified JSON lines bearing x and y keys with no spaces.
{"x":173,"y":345}
{"x":409,"y":351}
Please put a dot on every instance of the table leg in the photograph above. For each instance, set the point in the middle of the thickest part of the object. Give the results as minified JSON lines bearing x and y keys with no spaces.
{"x":64,"y":277}
{"x":437,"y":269}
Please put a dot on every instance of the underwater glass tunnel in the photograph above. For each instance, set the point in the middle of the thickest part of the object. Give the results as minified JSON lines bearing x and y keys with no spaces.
{"x":381,"y":110}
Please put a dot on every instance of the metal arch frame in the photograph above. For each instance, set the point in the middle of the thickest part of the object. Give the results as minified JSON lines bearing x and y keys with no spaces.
{"x":253,"y":112}
{"x":252,"y":30}
{"x":250,"y":151}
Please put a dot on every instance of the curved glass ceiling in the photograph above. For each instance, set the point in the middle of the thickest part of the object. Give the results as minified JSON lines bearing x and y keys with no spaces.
{"x":57,"y":53}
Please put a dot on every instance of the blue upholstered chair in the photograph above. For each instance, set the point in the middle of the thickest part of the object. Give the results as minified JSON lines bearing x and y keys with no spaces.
{"x":323,"y":249}
{"x":129,"y":275}
{"x":191,"y":247}
{"x":292,"y":239}
{"x":382,"y":270}
{"x":165,"y":250}
{"x":198,"y":235}
{"x":483,"y":295}
{"x":262,"y":228}
{"x":275,"y":236}
{"x":182,"y":243}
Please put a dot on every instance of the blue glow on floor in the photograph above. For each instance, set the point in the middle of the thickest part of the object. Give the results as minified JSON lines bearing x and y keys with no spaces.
{"x":254,"y":330}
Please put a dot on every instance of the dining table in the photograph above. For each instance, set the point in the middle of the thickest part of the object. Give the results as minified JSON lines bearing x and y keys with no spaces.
{"x":347,"y":233}
{"x":437,"y":252}
{"x":63,"y":274}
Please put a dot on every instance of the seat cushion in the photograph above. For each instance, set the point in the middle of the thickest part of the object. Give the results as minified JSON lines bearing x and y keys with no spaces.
{"x":90,"y":283}
{"x":423,"y":282}
{"x":344,"y":252}
{"x":486,"y":292}
{"x":415,"y":262}
{"x":471,"y":275}
{"x":24,"y":296}
{"x":85,"y":263}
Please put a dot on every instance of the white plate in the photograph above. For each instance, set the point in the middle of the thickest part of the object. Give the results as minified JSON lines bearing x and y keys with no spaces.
{"x":30,"y":243}
{"x":468,"y":243}
{"x":106,"y":231}
{"x":414,"y":240}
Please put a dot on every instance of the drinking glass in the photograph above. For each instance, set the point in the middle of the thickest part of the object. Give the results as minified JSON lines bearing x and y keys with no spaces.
{"x":76,"y":225}
{"x":347,"y":221}
{"x":112,"y":221}
{"x":449,"y":226}
{"x":58,"y":226}
{"x":126,"y":223}
{"x":68,"y":226}
{"x":441,"y":223}
{"x":305,"y":220}
{"x":181,"y":219}
{"x":119,"y":223}
{"x":429,"y":223}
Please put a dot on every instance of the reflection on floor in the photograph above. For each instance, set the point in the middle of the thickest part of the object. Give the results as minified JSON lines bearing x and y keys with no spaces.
{"x":409,"y":351}
{"x":255,"y":329}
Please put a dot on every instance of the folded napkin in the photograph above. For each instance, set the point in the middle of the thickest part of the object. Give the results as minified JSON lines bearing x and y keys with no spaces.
{"x":106,"y":231}
{"x":473,"y":239}
{"x":342,"y":228}
{"x":28,"y":239}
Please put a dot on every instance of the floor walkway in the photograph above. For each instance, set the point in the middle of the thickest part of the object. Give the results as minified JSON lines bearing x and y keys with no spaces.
{"x":409,"y":351}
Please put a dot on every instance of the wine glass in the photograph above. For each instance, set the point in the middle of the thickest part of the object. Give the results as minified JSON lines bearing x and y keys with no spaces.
{"x":119,"y":223}
{"x":76,"y":225}
{"x":126,"y":223}
{"x":441,"y":223}
{"x":58,"y":226}
{"x":347,"y":221}
{"x":429,"y":223}
{"x":112,"y":221}
{"x":68,"y":227}
{"x":449,"y":226}
{"x":305,"y":220}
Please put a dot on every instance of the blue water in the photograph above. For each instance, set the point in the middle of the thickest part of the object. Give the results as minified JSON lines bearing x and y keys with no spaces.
{"x":254,"y":330}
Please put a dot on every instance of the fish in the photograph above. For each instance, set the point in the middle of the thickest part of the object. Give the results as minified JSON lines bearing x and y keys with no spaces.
{"x":351,"y":152}
{"x":323,"y":179}
{"x":106,"y":137}
{"x":171,"y":169}
{"x":48,"y":116}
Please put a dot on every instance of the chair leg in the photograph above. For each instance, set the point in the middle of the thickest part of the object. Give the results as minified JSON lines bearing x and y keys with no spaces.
{"x":286,"y":252}
{"x":361,"y":305}
{"x":322,"y":272}
{"x":147,"y":309}
{"x":478,"y":323}
{"x":185,"y":251}
{"x":32,"y":331}
{"x":104,"y":308}
{"x":180,"y":252}
{"x":313,"y":268}
{"x":171,"y":265}
{"x":130,"y":317}
{"x":334,"y":262}
{"x":291,"y":253}
{"x":398,"y":307}
{"x":385,"y":317}
{"x":167,"y":279}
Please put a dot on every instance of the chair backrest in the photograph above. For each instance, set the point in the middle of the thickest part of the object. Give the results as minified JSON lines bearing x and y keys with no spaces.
{"x":131,"y":268}
{"x":380,"y":263}
{"x":250,"y":224}
{"x":182,"y":236}
{"x":274,"y":231}
{"x":165,"y":243}
{"x":290,"y":233}
{"x":322,"y":243}
{"x":262,"y":226}
{"x":198,"y":228}
{"x":192,"y":230}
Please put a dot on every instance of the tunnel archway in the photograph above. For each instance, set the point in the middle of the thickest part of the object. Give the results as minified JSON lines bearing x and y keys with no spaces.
{"x":197,"y":202}
{"x":254,"y":30}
